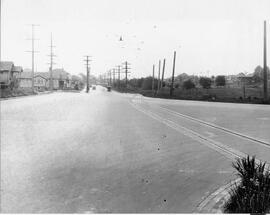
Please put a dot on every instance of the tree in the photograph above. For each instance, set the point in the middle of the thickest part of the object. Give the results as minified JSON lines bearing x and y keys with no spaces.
{"x":188,"y":84}
{"x":147,"y":83}
{"x":220,"y":80}
{"x":205,"y":82}
{"x":140,"y":82}
{"x":83,"y":77}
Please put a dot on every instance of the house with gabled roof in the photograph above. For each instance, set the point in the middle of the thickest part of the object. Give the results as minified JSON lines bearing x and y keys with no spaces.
{"x":9,"y":74}
{"x":61,"y":79}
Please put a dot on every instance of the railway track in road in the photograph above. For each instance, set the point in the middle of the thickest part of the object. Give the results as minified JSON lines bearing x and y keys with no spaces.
{"x":211,"y":203}
{"x":244,"y":136}
{"x":227,"y":151}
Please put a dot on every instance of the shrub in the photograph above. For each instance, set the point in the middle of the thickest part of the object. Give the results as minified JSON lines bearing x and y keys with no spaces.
{"x":147,"y":83}
{"x":252,"y":195}
{"x":220,"y":80}
{"x":205,"y":82}
{"x":188,"y":84}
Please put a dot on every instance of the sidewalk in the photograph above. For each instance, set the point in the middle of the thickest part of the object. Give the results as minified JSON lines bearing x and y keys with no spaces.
{"x":214,"y":202}
{"x":21,"y":96}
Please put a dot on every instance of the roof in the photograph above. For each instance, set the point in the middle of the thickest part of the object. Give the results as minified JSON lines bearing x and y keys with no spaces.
{"x":75,"y":78}
{"x":42,"y":74}
{"x":6,"y":65}
{"x":17,"y":69}
{"x":60,"y":74}
{"x":57,"y":74}
{"x":26,"y":75}
{"x":38,"y":75}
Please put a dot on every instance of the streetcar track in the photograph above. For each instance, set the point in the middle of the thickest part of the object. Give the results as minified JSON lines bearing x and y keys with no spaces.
{"x":211,"y":125}
{"x":229,"y":153}
{"x":217,"y":146}
{"x":226,"y":130}
{"x":225,"y":150}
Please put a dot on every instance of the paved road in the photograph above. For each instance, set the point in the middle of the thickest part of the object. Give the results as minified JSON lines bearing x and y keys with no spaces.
{"x":110,"y":152}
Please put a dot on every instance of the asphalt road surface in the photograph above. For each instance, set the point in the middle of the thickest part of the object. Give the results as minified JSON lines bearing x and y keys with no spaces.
{"x":110,"y":152}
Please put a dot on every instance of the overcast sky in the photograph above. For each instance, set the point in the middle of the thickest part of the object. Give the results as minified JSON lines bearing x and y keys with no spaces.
{"x":210,"y":36}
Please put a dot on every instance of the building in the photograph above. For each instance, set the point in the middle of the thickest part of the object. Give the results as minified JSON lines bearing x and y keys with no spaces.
{"x":232,"y":81}
{"x":40,"y":82}
{"x":25,"y":80}
{"x":245,"y":79}
{"x":75,"y":82}
{"x":61,"y":80}
{"x":9,"y":74}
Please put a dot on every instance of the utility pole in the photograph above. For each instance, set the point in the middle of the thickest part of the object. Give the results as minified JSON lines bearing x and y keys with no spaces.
{"x":87,"y":72}
{"x":52,"y":55}
{"x":163,"y":70}
{"x":119,"y":71}
{"x":153,"y":80}
{"x":172,"y":83}
{"x":110,"y":76}
{"x":104,"y":79}
{"x":159,"y":65}
{"x":265,"y":87}
{"x":0,"y":29}
{"x":33,"y":52}
{"x":126,"y":70}
{"x":113,"y":76}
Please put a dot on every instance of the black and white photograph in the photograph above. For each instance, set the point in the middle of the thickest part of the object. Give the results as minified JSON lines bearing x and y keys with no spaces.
{"x":135,"y":106}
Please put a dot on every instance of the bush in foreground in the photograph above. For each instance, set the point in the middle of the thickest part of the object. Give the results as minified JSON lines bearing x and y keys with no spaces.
{"x":252,"y":195}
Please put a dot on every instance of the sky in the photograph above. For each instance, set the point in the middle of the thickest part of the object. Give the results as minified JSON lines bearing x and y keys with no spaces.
{"x":210,"y":37}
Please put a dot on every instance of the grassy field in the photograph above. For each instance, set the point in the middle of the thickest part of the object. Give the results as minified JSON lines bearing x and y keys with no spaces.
{"x":250,"y":95}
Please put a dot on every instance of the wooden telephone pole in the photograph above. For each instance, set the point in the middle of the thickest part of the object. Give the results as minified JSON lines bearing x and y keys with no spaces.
{"x":113,"y":76}
{"x":172,"y":83}
{"x":110,"y":77}
{"x":33,"y":53}
{"x":119,"y":72}
{"x":159,"y":65}
{"x":126,"y":68}
{"x":265,"y":87}
{"x":163,"y":70}
{"x":87,"y":72}
{"x":52,"y":55}
{"x":153,"y":81}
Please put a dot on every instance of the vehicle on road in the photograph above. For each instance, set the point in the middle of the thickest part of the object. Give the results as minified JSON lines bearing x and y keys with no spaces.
{"x":94,"y":88}
{"x":109,"y":88}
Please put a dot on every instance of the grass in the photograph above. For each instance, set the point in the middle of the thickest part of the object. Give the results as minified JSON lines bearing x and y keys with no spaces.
{"x":222,"y":94}
{"x":252,"y":195}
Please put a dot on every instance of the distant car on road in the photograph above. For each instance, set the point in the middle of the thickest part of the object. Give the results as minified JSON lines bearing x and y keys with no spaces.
{"x":94,"y":88}
{"x":109,"y":88}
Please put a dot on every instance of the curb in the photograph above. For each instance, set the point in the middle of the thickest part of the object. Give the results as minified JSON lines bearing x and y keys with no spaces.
{"x":23,"y":96}
{"x":214,"y":202}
